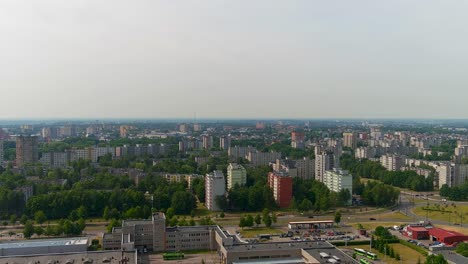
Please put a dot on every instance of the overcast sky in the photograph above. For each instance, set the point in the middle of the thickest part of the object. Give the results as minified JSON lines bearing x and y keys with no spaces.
{"x":233,"y":59}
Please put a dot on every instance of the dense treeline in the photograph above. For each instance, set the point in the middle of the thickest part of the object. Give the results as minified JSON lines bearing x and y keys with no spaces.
{"x":379,"y":194}
{"x":11,"y":202}
{"x":373,"y":170}
{"x":311,"y":195}
{"x":169,"y":195}
{"x":456,"y":193}
{"x":61,"y":204}
{"x":255,"y":195}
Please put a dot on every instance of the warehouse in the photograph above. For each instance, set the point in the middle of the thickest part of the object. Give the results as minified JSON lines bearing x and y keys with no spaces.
{"x":445,"y":236}
{"x":44,"y":246}
{"x":417,"y":232}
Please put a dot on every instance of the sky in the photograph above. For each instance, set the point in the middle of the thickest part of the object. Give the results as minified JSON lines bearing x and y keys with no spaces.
{"x":233,"y":59}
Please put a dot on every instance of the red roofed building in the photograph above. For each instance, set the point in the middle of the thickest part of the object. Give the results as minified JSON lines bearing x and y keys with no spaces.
{"x":445,"y":236}
{"x":281,"y":185}
{"x":417,"y":232}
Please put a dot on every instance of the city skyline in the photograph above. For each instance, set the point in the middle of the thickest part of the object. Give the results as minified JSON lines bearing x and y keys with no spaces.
{"x":255,"y":60}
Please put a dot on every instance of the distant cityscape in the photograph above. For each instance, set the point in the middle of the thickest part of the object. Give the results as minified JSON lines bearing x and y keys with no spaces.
{"x":170,"y":186}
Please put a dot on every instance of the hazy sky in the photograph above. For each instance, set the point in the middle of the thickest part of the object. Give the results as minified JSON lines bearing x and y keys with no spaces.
{"x":238,"y":58}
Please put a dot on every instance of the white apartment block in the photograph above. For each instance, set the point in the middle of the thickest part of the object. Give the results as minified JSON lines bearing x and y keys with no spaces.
{"x":263,"y":158}
{"x":460,"y":175}
{"x":323,"y":162}
{"x":392,"y":162}
{"x":236,"y":174}
{"x":445,"y":172}
{"x":337,"y":180}
{"x":215,"y":185}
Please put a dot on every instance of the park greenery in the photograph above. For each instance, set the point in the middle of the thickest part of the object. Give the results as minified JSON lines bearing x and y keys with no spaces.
{"x":455,"y":193}
{"x":462,"y":249}
{"x":373,"y":170}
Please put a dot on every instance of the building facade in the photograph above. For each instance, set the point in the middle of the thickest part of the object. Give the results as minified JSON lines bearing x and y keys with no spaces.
{"x":26,"y":150}
{"x":236,"y":174}
{"x":337,"y":180}
{"x":215,"y":185}
{"x":281,"y":185}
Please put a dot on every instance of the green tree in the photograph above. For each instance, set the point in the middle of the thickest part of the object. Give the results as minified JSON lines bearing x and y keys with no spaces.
{"x":40,"y":217}
{"x":242,"y":222}
{"x":258,"y":219}
{"x":23,"y":219}
{"x":38,"y":230}
{"x":113,"y":223}
{"x":462,"y":249}
{"x":436,"y":259}
{"x":249,"y":221}
{"x":28,"y":230}
{"x":13,"y":219}
{"x":337,"y":217}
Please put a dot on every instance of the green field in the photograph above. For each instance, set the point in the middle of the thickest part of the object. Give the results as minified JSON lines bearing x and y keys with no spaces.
{"x":408,"y":255}
{"x":442,"y":212}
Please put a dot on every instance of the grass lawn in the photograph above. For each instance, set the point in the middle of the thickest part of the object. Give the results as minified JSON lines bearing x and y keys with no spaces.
{"x":408,"y":255}
{"x":253,"y":232}
{"x":444,"y":213}
{"x":463,"y":230}
{"x":394,"y":215}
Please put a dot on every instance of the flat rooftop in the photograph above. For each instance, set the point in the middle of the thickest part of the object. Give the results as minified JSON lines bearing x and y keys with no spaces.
{"x":279,"y":246}
{"x":315,"y":252}
{"x":313,"y":222}
{"x":45,"y":243}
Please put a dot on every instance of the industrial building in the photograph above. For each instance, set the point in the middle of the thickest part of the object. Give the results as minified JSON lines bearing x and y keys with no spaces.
{"x":231,"y":249}
{"x":446,"y":236}
{"x":44,"y":246}
{"x":108,"y":257}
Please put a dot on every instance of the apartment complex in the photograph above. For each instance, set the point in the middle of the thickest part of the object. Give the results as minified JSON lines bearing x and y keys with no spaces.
{"x":324,"y":162}
{"x":26,"y":150}
{"x":224,"y":142}
{"x":240,"y":152}
{"x":337,"y":180}
{"x":207,"y":141}
{"x":262,"y":158}
{"x":215,"y":185}
{"x":392,"y":162}
{"x":281,"y":185}
{"x":303,"y":168}
{"x":176,"y":177}
{"x":236,"y":174}
{"x":350,"y":140}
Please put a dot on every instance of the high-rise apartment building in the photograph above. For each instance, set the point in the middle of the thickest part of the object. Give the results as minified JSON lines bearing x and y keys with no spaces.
{"x":215,"y":186}
{"x":124,"y":131}
{"x":26,"y":150}
{"x":337,"y":180}
{"x":225,"y":142}
{"x":263,"y":158}
{"x":392,"y":162}
{"x":281,"y":186}
{"x":207,"y":141}
{"x":323,"y":163}
{"x":197,"y":127}
{"x":236,"y":174}
{"x":350,"y":140}
{"x":240,"y":152}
